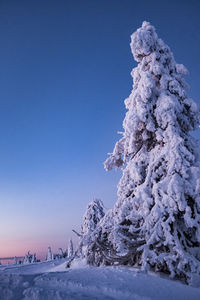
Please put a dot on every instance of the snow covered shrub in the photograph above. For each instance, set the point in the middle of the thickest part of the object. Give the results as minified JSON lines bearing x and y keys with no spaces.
{"x":28,"y":259}
{"x":156,"y":220}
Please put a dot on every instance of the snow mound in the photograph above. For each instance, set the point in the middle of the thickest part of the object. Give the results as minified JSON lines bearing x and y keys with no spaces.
{"x":113,"y":283}
{"x":59,"y":268}
{"x":79,"y":263}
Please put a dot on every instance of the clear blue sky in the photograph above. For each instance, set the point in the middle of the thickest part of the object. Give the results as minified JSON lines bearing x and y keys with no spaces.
{"x":64,"y":74}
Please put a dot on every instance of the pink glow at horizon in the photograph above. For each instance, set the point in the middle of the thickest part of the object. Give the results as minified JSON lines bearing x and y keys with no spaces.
{"x":20,"y":247}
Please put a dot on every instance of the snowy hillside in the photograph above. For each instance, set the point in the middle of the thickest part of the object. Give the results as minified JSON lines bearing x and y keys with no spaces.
{"x":51,"y":281}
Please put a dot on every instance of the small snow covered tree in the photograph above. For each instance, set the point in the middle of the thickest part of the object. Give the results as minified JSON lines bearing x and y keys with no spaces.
{"x":15,"y":261}
{"x":156,"y":220}
{"x":94,"y":213}
{"x":87,"y":247}
{"x":27,"y":258}
{"x":70,"y":248}
{"x":49,"y":254}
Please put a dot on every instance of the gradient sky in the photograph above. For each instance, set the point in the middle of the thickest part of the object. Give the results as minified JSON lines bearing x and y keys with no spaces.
{"x":64,"y":74}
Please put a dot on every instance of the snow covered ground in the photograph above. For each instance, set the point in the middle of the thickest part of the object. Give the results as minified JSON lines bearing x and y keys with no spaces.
{"x":52,"y":281}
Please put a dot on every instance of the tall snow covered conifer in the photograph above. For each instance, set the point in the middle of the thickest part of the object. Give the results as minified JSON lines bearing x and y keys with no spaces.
{"x":156,"y":220}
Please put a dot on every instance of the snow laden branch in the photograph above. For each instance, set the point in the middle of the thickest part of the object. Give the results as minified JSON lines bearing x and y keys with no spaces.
{"x":77,"y":233}
{"x":156,"y":221}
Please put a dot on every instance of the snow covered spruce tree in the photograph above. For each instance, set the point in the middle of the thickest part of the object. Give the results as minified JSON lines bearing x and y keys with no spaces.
{"x":50,"y":255}
{"x":156,"y":220}
{"x":87,"y":248}
{"x":27,"y":258}
{"x":94,"y":213}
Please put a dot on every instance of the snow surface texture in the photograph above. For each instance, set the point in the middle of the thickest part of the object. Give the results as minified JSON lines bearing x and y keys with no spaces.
{"x":24,"y":283}
{"x":156,"y":221}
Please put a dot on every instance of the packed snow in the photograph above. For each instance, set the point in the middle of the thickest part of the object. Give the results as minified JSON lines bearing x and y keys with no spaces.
{"x":50,"y":280}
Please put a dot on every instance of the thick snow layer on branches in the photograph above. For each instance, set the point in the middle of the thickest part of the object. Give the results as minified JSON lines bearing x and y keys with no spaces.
{"x":94,"y":213}
{"x":91,"y":219}
{"x":156,"y":220}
